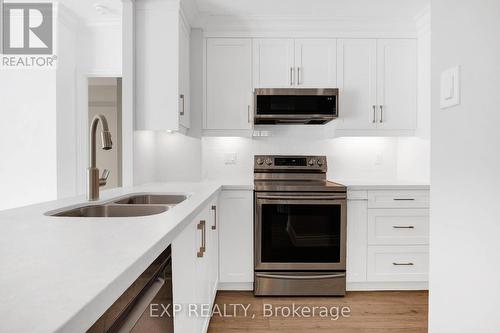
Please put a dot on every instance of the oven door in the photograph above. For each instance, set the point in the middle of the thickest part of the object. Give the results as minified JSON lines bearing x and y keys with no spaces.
{"x":300,"y":231}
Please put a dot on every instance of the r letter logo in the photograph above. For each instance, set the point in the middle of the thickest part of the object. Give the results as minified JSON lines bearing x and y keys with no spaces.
{"x":27,"y":28}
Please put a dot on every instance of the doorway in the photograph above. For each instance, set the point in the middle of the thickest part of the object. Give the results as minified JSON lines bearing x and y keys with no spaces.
{"x":105,"y":97}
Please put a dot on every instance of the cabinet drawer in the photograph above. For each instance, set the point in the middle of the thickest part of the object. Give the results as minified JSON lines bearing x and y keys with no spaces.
{"x":398,"y":226}
{"x":398,"y":263}
{"x":398,"y":199}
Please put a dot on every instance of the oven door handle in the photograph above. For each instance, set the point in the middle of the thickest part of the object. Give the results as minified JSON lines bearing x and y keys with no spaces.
{"x":300,"y":197}
{"x":300,"y":277}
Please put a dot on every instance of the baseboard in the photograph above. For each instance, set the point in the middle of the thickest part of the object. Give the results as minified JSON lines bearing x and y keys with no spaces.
{"x":241,"y":286}
{"x":374,"y":286}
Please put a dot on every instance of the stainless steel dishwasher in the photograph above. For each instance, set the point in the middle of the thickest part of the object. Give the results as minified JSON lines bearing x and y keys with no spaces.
{"x":131,"y":312}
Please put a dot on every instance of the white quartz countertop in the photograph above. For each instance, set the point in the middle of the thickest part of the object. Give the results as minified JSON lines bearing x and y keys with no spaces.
{"x":61,"y":273}
{"x":390,"y":184}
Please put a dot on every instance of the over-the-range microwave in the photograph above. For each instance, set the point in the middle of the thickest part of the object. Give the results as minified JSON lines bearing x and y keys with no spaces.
{"x":295,"y":106}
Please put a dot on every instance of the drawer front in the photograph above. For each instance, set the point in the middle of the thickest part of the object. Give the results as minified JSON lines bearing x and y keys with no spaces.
{"x":398,"y":263}
{"x":398,"y":226}
{"x":398,"y":199}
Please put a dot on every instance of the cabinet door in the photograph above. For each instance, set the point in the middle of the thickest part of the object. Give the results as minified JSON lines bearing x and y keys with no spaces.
{"x":213,"y":230}
{"x":356,"y":240}
{"x":316,"y":63}
{"x":184,"y":72}
{"x":397,"y":83}
{"x":228,"y":83}
{"x":357,"y":79}
{"x":184,"y":277}
{"x":236,"y":237}
{"x":202,"y":269}
{"x":273,"y":63}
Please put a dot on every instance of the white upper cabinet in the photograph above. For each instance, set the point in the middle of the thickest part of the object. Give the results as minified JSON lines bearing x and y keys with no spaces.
{"x":228,"y":84}
{"x":378,"y":84}
{"x":184,"y":73}
{"x":285,"y":63}
{"x":273,"y":63}
{"x":161,"y":66}
{"x":316,"y":63}
{"x":397,"y":83}
{"x":357,"y":81}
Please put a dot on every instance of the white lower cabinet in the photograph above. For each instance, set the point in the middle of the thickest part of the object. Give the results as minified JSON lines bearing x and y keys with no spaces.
{"x":195,"y":258}
{"x":387,"y":239}
{"x":398,"y":263}
{"x":236,"y":240}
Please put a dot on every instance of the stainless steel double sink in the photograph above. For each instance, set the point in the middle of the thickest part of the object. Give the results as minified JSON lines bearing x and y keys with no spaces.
{"x":130,"y":206}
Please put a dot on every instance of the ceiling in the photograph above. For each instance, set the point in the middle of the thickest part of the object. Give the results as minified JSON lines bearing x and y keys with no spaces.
{"x":86,"y":9}
{"x":335,"y":8}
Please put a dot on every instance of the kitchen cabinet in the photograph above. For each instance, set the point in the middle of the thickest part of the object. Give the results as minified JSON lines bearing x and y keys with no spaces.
{"x":273,"y":63}
{"x":387,"y":239}
{"x":229,"y":95}
{"x":161,"y":66}
{"x":285,"y":63}
{"x":378,"y":84}
{"x":316,"y":63}
{"x":195,"y":259}
{"x":236,"y":240}
{"x":184,"y":74}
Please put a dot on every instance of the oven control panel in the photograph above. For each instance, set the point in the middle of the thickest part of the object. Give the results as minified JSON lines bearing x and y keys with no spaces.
{"x":298,"y":163}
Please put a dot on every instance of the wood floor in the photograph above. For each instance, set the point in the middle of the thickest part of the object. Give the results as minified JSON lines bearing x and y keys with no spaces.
{"x":371,"y":312}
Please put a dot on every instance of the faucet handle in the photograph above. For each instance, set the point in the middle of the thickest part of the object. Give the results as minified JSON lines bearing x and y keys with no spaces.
{"x":104,"y":177}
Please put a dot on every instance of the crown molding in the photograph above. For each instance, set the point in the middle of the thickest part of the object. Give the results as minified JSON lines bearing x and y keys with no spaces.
{"x":306,"y":26}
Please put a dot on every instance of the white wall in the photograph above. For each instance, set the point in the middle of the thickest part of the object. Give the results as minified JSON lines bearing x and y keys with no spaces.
{"x":465,"y":164}
{"x":28,"y":170}
{"x":66,"y":108}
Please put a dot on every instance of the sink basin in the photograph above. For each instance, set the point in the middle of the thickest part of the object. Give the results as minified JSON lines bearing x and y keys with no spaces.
{"x":152,"y":199}
{"x":113,"y":211}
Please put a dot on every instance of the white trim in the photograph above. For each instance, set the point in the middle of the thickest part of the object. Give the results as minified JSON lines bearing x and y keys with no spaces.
{"x":239,"y":286}
{"x":386,"y":286}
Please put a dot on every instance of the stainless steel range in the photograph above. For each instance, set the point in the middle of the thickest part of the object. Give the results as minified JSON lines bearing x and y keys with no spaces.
{"x":300,"y":228}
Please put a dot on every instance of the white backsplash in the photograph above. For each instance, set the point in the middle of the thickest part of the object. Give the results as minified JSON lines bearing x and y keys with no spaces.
{"x":352,"y":158}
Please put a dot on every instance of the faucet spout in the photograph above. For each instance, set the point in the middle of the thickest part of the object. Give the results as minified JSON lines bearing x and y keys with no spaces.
{"x":94,"y":181}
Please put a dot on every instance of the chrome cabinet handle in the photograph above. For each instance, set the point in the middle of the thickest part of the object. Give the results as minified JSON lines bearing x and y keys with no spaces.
{"x":248,"y":115}
{"x":404,"y":199}
{"x":403,"y":264}
{"x":403,"y":227}
{"x":381,"y":113}
{"x":181,"y":96}
{"x":214,"y":208}
{"x":298,"y":76}
{"x":292,"y":74}
{"x":201,"y":226}
{"x":374,"y":114}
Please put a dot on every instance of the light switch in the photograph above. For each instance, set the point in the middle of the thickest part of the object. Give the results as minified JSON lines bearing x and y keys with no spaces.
{"x":230,"y":158}
{"x":450,"y":87}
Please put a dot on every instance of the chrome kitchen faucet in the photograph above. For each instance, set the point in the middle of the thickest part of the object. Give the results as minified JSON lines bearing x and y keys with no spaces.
{"x":93,"y":179}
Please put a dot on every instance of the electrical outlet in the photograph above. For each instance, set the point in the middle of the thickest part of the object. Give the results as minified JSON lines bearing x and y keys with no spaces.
{"x":379,"y":159}
{"x":230,"y":158}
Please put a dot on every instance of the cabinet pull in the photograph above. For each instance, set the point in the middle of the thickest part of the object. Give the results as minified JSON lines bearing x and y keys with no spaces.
{"x":214,"y":208}
{"x":404,"y":199}
{"x":248,"y":115}
{"x":181,"y":96}
{"x":402,"y":263}
{"x":381,"y":113}
{"x":201,"y":226}
{"x":298,"y":76}
{"x":374,"y":114}
{"x":403,"y":227}
{"x":291,"y":76}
